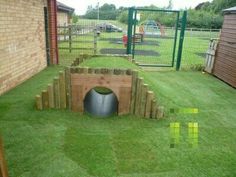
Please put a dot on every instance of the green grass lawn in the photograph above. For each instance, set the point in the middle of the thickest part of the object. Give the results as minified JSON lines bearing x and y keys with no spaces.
{"x":57,"y":143}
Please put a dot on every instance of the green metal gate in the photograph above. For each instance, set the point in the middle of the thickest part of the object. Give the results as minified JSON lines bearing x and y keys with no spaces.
{"x":153,"y":35}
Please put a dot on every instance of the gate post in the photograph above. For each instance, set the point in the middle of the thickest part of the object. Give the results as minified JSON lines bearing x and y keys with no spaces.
{"x":130,"y":26}
{"x":181,"y":40}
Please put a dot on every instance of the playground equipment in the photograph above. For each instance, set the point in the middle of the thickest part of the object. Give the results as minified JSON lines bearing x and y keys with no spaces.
{"x":125,"y":40}
{"x":137,"y":38}
{"x":151,"y":28}
{"x":73,"y":89}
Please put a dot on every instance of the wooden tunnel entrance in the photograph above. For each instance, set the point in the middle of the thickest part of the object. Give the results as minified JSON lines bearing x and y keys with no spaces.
{"x":81,"y":84}
{"x":69,"y":90}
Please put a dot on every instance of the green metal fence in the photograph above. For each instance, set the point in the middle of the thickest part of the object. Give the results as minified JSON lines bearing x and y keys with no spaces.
{"x":151,"y":42}
{"x":164,"y":47}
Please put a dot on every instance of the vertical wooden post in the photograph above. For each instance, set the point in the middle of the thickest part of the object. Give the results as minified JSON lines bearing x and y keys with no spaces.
{"x":91,"y":70}
{"x":79,"y":70}
{"x":45,"y":99}
{"x":110,"y":71}
{"x":62,"y":90}
{"x":95,"y":42}
{"x":117,"y":71}
{"x":39,"y":105}
{"x":143,"y":100}
{"x":123,"y":71}
{"x":56,"y":91}
{"x":138,"y":95}
{"x":85,"y":70}
{"x":154,"y":108}
{"x":129,"y":72}
{"x":160,"y":112}
{"x":81,"y":60}
{"x":103,"y":70}
{"x":70,"y":37}
{"x":150,"y":96}
{"x":3,"y":164}
{"x":68,"y":87}
{"x":64,"y":29}
{"x":133,"y":92}
{"x":97,"y":71}
{"x":51,"y":96}
{"x":72,"y":70}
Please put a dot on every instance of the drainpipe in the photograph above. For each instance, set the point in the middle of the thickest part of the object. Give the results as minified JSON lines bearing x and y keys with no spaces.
{"x":52,"y":15}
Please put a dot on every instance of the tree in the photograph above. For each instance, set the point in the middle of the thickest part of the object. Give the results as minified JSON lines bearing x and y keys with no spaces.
{"x":219,"y":5}
{"x":216,"y":6}
{"x":75,"y":18}
{"x":123,"y":17}
{"x":106,"y":12}
{"x":108,"y":7}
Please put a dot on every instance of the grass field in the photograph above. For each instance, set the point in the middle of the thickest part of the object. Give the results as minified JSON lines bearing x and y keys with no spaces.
{"x":58,"y":143}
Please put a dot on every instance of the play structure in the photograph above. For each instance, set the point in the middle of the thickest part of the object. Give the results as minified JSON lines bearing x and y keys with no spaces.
{"x":75,"y":89}
{"x":151,"y":28}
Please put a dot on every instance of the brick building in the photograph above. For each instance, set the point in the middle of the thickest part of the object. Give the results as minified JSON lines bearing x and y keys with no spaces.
{"x":64,"y":14}
{"x":27,"y":30}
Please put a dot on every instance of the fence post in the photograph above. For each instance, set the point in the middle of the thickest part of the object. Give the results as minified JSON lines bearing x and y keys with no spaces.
{"x":134,"y":32}
{"x":64,"y":31}
{"x":181,"y":40}
{"x":175,"y":41}
{"x":95,"y":41}
{"x":70,"y":38}
{"x":130,"y":26}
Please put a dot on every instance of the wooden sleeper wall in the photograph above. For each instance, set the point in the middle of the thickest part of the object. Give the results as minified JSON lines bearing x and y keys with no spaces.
{"x":58,"y":95}
{"x":143,"y":101}
{"x":84,"y":57}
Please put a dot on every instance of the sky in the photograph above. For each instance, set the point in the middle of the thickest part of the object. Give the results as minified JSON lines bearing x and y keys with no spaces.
{"x":80,"y":6}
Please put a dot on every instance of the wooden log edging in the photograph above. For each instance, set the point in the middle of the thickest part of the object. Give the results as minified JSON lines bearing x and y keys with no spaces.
{"x":84,"y":57}
{"x":58,"y":95}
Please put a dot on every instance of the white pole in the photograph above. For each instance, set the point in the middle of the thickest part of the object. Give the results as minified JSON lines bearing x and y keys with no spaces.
{"x":98,"y":11}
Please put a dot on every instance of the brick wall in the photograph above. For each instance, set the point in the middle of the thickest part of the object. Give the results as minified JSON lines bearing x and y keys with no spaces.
{"x":22,"y":41}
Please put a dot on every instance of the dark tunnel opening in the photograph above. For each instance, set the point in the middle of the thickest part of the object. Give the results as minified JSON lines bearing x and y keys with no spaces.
{"x":101,"y":102}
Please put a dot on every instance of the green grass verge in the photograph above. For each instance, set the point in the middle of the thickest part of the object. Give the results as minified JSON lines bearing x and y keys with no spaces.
{"x":109,"y":62}
{"x":57,"y":143}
